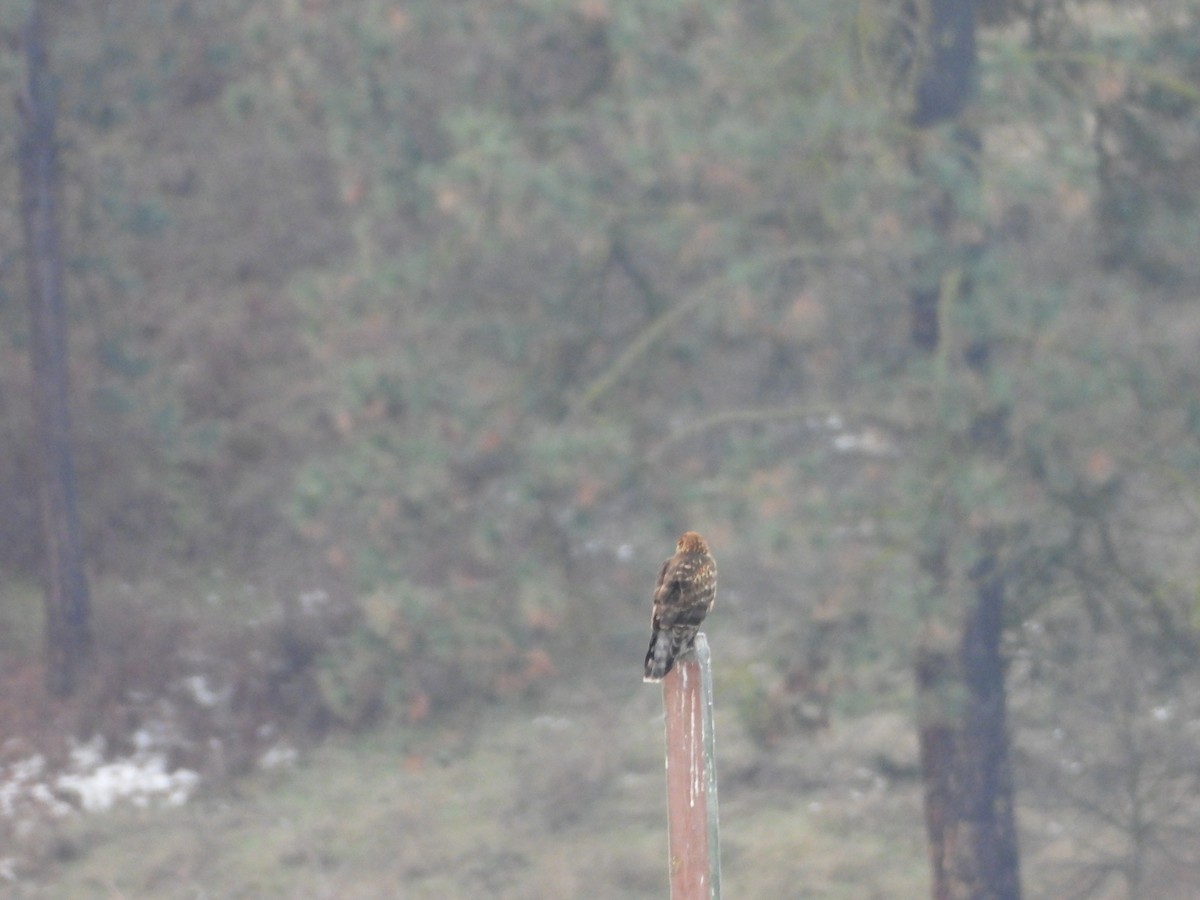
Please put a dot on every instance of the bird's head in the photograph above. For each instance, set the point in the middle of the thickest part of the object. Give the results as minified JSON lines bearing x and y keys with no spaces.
{"x":691,"y":542}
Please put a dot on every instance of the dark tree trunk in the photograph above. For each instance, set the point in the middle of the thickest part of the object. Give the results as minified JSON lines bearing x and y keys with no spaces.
{"x":939,"y":738}
{"x":960,"y":674}
{"x":68,"y":628}
{"x":963,"y":736}
{"x":944,"y":90}
{"x":988,"y":862}
{"x":946,"y":84}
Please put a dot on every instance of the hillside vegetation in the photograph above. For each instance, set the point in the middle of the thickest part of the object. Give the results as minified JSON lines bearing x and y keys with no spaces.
{"x":406,"y":337}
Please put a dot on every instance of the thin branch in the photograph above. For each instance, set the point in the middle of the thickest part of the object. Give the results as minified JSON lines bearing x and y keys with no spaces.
{"x":636,"y":349}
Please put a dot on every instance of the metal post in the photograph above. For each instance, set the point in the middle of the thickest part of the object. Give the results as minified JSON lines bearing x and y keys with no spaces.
{"x":695,"y":861}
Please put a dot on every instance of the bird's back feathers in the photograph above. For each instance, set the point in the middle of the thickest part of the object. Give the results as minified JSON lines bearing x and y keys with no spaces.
{"x":686,"y":590}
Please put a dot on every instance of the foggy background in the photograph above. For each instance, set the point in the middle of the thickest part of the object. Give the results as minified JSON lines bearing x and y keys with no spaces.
{"x":406,"y":337}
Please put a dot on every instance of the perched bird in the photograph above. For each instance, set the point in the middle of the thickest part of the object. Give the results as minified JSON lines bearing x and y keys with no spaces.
{"x":686,"y":591}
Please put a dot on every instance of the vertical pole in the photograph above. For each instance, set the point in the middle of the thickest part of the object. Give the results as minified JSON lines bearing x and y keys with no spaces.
{"x":691,"y":778}
{"x":68,"y":627}
{"x":704,"y":658}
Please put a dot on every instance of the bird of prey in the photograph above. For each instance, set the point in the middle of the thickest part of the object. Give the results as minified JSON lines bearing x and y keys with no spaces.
{"x":685,"y":592}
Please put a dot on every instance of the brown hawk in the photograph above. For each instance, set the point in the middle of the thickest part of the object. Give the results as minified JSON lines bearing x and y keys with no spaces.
{"x":685,"y":592}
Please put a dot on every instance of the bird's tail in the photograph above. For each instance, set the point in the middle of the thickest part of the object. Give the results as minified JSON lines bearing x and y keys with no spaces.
{"x":660,"y":657}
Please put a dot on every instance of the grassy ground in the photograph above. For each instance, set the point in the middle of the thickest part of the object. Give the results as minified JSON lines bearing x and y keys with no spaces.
{"x":561,"y":795}
{"x":561,"y":798}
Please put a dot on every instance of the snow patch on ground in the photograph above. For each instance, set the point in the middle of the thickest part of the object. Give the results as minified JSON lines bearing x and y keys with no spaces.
{"x":141,"y":779}
{"x":92,"y":782}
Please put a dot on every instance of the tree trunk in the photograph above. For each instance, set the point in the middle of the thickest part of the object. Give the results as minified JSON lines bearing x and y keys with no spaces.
{"x":960,"y":672}
{"x":963,"y":736}
{"x":987,"y":859}
{"x":68,"y":628}
{"x":947,"y":59}
{"x":939,"y":738}
{"x":946,"y":84}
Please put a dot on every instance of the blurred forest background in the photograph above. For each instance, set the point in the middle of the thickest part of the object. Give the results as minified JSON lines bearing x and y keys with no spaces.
{"x":407,"y":336}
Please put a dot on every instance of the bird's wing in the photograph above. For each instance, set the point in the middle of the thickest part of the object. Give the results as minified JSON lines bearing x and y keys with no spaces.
{"x":667,"y":590}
